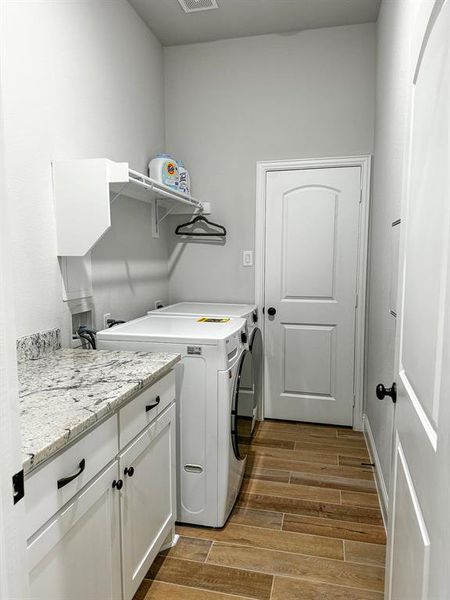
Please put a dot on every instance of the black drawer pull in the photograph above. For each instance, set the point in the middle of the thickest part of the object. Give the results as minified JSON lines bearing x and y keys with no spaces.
{"x":117,"y":484}
{"x":65,"y":480}
{"x":154,"y":405}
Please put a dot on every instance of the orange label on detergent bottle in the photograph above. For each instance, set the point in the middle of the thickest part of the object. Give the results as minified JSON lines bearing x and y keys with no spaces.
{"x":170,"y":174}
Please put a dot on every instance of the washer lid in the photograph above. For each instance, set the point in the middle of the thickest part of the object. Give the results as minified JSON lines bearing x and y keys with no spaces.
{"x":174,"y":329}
{"x":207,"y":309}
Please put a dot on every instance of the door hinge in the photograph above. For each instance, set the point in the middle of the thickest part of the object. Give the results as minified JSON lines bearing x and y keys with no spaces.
{"x":356,"y":301}
{"x":354,"y":400}
{"x":360,"y":195}
{"x":18,"y":484}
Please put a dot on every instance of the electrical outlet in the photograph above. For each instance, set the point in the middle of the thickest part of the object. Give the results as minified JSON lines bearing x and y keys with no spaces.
{"x":247,"y":258}
{"x":106,"y":316}
{"x":158,"y":304}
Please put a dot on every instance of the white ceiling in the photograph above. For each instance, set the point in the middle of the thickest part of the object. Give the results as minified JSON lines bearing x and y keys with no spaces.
{"x":239,"y":18}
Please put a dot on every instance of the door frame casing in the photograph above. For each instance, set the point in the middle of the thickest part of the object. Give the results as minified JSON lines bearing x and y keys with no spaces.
{"x":362,"y":161}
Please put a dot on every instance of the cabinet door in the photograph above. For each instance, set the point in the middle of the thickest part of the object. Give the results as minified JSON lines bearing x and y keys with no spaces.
{"x":148,"y":498}
{"x":77,"y":555}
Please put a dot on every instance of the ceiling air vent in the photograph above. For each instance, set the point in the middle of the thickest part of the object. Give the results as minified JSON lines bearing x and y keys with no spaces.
{"x":195,"y":5}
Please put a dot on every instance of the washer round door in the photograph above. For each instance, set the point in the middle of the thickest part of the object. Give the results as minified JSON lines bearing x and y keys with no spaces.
{"x":242,"y":407}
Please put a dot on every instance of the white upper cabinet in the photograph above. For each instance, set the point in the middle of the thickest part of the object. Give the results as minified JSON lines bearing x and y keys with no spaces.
{"x":83,"y":192}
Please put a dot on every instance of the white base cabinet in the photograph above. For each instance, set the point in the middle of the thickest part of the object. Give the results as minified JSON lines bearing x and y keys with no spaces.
{"x":78,"y":554}
{"x":101,"y":543}
{"x":148,"y":498}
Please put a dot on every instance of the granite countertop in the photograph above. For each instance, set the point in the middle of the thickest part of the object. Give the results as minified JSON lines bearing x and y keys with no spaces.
{"x":65,"y":392}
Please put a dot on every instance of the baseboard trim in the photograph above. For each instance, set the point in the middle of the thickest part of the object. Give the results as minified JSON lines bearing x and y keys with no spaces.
{"x":379,"y":479}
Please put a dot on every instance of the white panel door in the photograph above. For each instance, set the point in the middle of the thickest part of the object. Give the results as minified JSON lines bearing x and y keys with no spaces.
{"x":419,"y":523}
{"x":148,"y":498}
{"x":312,"y":231}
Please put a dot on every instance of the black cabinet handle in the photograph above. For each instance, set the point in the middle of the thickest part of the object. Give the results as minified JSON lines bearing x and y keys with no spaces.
{"x":65,"y":480}
{"x":271,"y":311}
{"x":382,"y":392}
{"x":117,"y":484}
{"x":129,"y":471}
{"x":155,"y":403}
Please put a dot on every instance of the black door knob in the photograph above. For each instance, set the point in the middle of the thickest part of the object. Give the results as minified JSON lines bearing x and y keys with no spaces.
{"x":129,"y":471}
{"x":243,"y":337}
{"x":271,"y":311}
{"x":117,"y":484}
{"x":382,"y":392}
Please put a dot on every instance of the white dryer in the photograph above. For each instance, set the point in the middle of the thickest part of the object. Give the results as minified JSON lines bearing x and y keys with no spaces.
{"x":252,"y":367}
{"x":210,"y":467}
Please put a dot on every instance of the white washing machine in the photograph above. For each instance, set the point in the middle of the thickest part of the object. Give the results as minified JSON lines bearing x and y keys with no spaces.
{"x":211,"y":462}
{"x":252,"y":369}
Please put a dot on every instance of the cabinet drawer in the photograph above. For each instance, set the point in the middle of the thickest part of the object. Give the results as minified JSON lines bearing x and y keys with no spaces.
{"x":43,"y":497}
{"x":141,"y":411}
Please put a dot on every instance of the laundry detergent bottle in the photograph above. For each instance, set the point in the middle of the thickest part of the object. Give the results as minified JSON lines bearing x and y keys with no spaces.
{"x":184,"y":181}
{"x":164,"y":169}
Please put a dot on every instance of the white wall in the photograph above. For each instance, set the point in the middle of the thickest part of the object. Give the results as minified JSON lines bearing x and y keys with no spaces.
{"x":81,"y":80}
{"x":231,"y":103}
{"x":393,"y":34}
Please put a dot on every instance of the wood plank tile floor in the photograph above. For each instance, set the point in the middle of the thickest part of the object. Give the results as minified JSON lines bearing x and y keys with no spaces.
{"x":307,"y":525}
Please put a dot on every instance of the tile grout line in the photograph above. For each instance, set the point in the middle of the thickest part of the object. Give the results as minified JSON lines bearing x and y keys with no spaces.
{"x":321,"y":458}
{"x":209,"y":552}
{"x":271,"y":587}
{"x":363,"y":486}
{"x":253,"y":570}
{"x":311,"y":516}
{"x":300,"y":554}
{"x":337,"y":487}
{"x":342,"y":471}
{"x":306,"y":462}
{"x":292,"y":577}
{"x":189,"y":587}
{"x":321,"y":581}
{"x":268,"y":530}
{"x":319,"y":502}
{"x":191,"y":535}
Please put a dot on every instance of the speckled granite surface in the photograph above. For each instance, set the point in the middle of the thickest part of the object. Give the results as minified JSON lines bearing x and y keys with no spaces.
{"x":36,"y":345}
{"x":65,"y":392}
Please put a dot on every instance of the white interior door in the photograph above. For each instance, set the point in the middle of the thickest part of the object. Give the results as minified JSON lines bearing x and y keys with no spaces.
{"x":312,"y":231}
{"x":419,"y":524}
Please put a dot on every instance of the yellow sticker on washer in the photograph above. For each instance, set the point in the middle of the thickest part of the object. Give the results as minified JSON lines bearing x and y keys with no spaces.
{"x":212,"y":320}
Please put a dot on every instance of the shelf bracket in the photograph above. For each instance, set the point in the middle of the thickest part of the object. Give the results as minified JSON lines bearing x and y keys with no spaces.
{"x":169,"y":212}
{"x":119,"y":193}
{"x":155,"y":219}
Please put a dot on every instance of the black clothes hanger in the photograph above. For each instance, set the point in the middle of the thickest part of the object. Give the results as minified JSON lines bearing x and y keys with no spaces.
{"x":200,"y":218}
